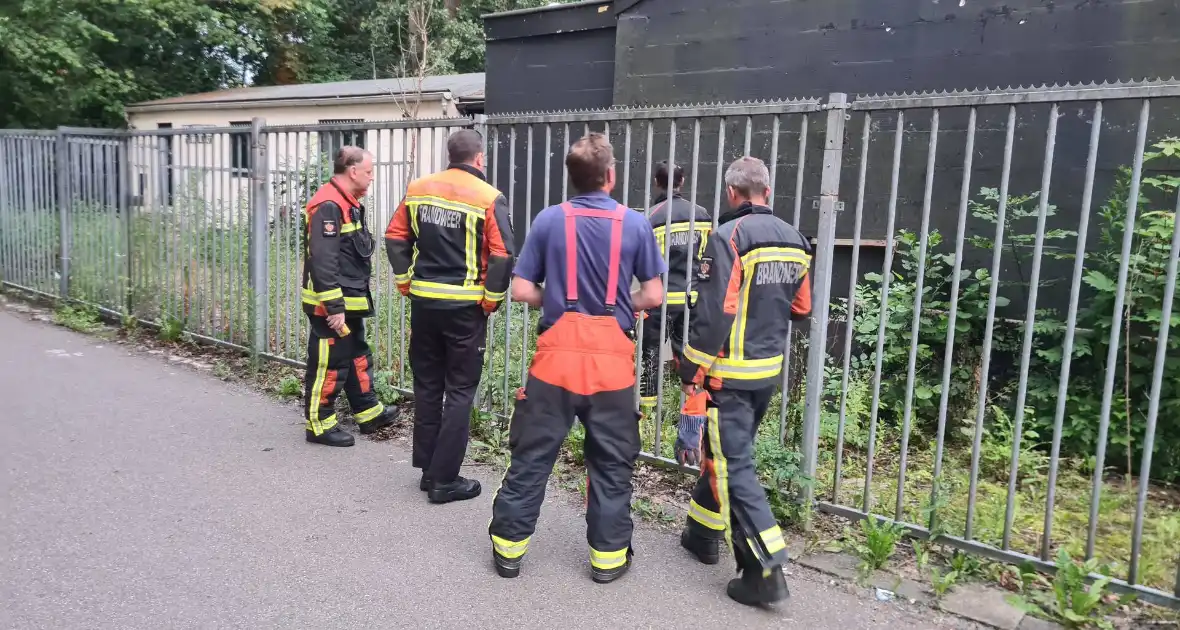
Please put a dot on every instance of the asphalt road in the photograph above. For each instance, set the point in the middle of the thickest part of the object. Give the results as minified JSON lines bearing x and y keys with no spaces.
{"x":141,"y":494}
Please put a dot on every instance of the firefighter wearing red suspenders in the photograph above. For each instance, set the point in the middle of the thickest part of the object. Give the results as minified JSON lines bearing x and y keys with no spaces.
{"x":450,"y":244}
{"x":753,"y":274}
{"x":336,"y":297}
{"x":585,"y":252}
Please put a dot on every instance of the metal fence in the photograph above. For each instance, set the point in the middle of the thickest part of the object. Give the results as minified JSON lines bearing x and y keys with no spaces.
{"x":990,"y":360}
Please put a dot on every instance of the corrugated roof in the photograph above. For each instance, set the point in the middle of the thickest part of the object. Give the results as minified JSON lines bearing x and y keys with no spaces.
{"x":461,"y":86}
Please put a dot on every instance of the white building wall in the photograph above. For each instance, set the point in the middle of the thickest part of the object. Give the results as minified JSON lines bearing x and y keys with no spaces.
{"x":207,"y":179}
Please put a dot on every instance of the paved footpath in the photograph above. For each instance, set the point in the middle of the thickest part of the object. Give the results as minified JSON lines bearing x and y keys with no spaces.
{"x":135,"y":493}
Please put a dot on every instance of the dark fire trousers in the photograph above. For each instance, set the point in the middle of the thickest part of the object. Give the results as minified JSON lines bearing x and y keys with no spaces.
{"x":674,"y":333}
{"x":540,"y":423}
{"x":336,"y":363}
{"x":728,"y":500}
{"x":446,"y":355}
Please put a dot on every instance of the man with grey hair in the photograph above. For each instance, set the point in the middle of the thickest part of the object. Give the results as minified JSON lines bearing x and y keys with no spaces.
{"x":752,"y":278}
{"x":337,"y":265}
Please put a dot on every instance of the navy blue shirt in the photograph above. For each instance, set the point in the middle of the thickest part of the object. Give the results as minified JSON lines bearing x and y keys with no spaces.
{"x":542,"y":260}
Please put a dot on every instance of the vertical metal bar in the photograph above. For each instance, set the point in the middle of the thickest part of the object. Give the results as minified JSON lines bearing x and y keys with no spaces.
{"x":948,"y":354}
{"x":1116,"y":326}
{"x":689,"y":286}
{"x":990,"y":326}
{"x":800,"y":162}
{"x":916,"y":324}
{"x":1070,"y":324}
{"x":124,"y":177}
{"x":720,"y":171}
{"x":774,"y":132}
{"x":407,"y":175}
{"x":627,"y":165}
{"x":829,"y":197}
{"x":508,"y":298}
{"x":565,"y":173}
{"x":1153,"y":407}
{"x":883,"y":318}
{"x":528,"y":212}
{"x":1029,"y":322}
{"x":667,"y":253}
{"x":639,"y":327}
{"x":853,"y":276}
{"x":749,"y":134}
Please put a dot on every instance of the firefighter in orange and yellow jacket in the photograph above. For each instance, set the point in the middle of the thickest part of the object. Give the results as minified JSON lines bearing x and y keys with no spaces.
{"x":450,"y":244}
{"x":338,"y":247}
{"x":752,"y":280}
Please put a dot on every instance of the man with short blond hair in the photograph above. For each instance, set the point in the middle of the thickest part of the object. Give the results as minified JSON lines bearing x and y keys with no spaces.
{"x":337,"y":267}
{"x":585,"y":252}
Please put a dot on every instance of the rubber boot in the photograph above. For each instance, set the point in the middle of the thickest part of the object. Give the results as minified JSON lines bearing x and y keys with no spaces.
{"x":460,"y":489}
{"x":332,"y":437}
{"x":507,"y":567}
{"x":759,"y":587}
{"x":756,"y":586}
{"x":707,"y":549}
{"x":606,"y":576}
{"x":380,"y":422}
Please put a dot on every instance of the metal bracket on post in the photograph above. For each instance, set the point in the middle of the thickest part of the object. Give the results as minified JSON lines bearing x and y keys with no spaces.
{"x":259,"y":238}
{"x":821,"y":285}
{"x":62,"y":168}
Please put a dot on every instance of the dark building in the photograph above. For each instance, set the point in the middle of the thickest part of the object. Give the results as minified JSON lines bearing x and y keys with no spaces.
{"x":675,"y":52}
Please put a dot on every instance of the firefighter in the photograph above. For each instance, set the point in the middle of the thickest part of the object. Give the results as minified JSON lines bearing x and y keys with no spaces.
{"x":450,"y":244}
{"x":682,"y":236}
{"x":336,"y":270}
{"x":585,"y":252}
{"x":754,"y":272}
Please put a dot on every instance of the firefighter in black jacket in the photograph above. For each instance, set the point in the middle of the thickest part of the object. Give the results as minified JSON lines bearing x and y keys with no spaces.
{"x":681,"y":228}
{"x":336,"y":298}
{"x":754,"y":275}
{"x":450,"y":244}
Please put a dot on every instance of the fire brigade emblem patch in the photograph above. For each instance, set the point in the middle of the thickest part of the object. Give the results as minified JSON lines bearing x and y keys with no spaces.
{"x":705,"y":268}
{"x":330,"y":228}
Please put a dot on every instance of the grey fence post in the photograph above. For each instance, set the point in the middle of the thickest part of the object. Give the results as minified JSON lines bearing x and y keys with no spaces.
{"x":821,"y":285}
{"x":125,"y":179}
{"x":259,"y":238}
{"x":480,"y":124}
{"x":62,"y":166}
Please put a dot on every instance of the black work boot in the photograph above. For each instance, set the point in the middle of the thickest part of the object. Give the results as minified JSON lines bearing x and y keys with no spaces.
{"x":460,"y":489}
{"x":424,"y":483}
{"x":507,"y":567}
{"x":332,"y":437}
{"x":380,"y":422}
{"x":758,"y":587}
{"x":707,"y":549}
{"x":606,"y":576}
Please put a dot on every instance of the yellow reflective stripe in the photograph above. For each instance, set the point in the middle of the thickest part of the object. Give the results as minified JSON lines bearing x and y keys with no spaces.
{"x":327,"y":423}
{"x":412,"y":210}
{"x":494,"y":297}
{"x":449,"y":204}
{"x":676,"y":298}
{"x":698,"y":357}
{"x":321,"y":371}
{"x":402,"y":278}
{"x":773,"y":539}
{"x":608,"y":559}
{"x":332,"y":294}
{"x":510,"y":549}
{"x":440,"y":291}
{"x":349,"y":227}
{"x":649,"y":401}
{"x":369,"y":414}
{"x":356,"y":304}
{"x":470,"y":255}
{"x":747,"y":369}
{"x":775,"y":254}
{"x":737,"y":339}
{"x":720,"y":471}
{"x":705,"y":516}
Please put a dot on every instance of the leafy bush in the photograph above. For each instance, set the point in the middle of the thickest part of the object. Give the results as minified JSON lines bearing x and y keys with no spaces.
{"x":1070,"y":602}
